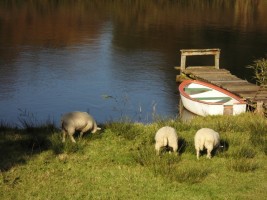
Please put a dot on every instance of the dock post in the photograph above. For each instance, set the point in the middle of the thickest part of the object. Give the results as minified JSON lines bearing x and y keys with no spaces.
{"x":217,"y":59}
{"x":183,"y":60}
{"x":259,"y":108}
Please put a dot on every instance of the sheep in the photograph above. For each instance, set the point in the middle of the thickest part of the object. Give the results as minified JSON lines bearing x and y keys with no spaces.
{"x":166,"y":137}
{"x":206,"y":138}
{"x":77,"y":121}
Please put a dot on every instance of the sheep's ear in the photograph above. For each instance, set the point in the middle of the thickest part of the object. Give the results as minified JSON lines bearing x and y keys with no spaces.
{"x":98,"y":128}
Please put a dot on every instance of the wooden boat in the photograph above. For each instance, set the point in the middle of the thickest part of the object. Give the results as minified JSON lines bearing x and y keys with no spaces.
{"x":204,"y":99}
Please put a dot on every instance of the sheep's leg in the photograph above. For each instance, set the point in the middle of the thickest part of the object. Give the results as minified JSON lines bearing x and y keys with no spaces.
{"x":197,"y":150}
{"x":209,"y":153}
{"x":157,"y":147}
{"x":175,"y":149}
{"x":71,"y":133}
{"x":81,"y":134}
{"x":209,"y":148}
{"x":72,"y":139}
{"x":64,"y":136}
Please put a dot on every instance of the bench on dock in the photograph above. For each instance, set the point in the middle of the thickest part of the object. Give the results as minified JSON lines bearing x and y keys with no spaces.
{"x":199,"y":52}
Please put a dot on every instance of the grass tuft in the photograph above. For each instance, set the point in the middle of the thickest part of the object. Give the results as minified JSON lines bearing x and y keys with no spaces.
{"x":243,"y":165}
{"x":244,"y":152}
{"x":192,"y":174}
{"x":125,"y":129}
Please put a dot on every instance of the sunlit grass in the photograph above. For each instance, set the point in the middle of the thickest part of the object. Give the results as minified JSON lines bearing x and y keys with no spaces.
{"x":243,"y":165}
{"x":120,"y":162}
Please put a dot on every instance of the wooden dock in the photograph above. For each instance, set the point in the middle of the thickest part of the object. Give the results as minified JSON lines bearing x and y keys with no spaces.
{"x":255,"y":96}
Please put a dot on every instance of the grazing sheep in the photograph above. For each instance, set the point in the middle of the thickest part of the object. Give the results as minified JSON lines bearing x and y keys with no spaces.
{"x":77,"y":121}
{"x":166,"y":137}
{"x":206,"y":138}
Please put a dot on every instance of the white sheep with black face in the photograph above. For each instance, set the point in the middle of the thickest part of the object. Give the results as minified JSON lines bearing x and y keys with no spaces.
{"x":166,"y":137}
{"x":206,"y":138}
{"x":77,"y":121}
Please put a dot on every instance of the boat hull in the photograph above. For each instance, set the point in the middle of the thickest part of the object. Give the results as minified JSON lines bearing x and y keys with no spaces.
{"x":233,"y":105}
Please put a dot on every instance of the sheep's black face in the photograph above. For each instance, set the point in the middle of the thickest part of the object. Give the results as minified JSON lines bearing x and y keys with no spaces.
{"x":167,"y":149}
{"x":223,"y":146}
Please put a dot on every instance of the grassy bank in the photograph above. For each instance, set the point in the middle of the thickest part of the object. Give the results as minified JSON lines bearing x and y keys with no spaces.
{"x":119,"y":162}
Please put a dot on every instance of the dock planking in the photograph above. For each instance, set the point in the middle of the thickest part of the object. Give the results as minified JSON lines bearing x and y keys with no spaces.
{"x":253,"y":94}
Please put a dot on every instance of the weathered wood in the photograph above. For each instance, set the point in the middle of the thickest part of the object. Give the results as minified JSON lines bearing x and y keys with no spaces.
{"x":240,"y":88}
{"x":215,"y":77}
{"x":247,"y":95}
{"x":207,"y":71}
{"x":259,"y":108}
{"x":239,"y":82}
{"x":194,"y":52}
{"x":199,"y":52}
{"x":262,"y":94}
{"x":225,"y":82}
{"x":183,"y":60}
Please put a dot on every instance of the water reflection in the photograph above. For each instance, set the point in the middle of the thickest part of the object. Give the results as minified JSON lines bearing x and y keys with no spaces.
{"x":57,"y":57}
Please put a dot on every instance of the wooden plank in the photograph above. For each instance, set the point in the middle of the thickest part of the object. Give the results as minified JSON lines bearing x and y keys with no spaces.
{"x":240,"y":88}
{"x":224,"y":83}
{"x":201,"y":72}
{"x":261,"y":99}
{"x":206,"y":67}
{"x":213,"y":78}
{"x":247,"y":92}
{"x":246,"y":95}
{"x":239,"y":82}
{"x":209,"y":74}
{"x":228,"y":81}
{"x":262,"y":93}
{"x":245,"y":86}
{"x":194,"y":52}
{"x":224,"y":75}
{"x":201,"y":69}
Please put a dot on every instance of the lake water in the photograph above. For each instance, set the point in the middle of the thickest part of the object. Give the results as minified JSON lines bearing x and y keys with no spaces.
{"x":116,"y":58}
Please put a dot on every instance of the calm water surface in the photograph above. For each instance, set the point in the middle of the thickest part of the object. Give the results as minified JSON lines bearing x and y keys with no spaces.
{"x":116,"y":59}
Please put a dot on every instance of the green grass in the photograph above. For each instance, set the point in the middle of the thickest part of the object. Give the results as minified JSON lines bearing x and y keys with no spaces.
{"x":120,"y":162}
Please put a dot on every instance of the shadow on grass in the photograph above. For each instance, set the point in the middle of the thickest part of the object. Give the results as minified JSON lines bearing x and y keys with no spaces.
{"x":181,"y":145}
{"x":17,"y":145}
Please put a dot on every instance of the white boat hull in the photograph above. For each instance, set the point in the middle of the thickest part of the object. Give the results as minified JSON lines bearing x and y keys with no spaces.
{"x":206,"y":99}
{"x":203,"y":109}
